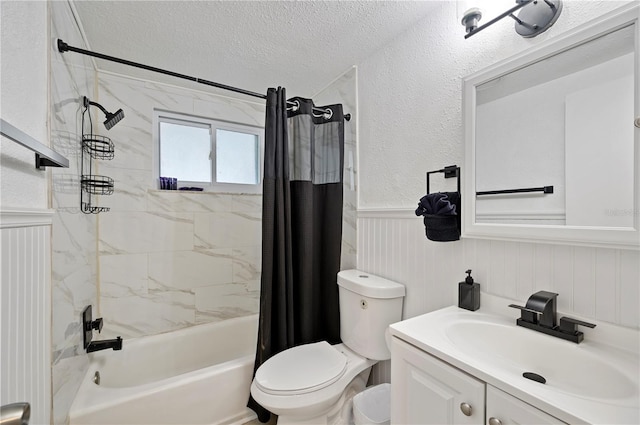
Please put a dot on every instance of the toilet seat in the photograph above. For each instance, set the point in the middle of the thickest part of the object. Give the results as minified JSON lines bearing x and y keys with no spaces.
{"x":300,"y":370}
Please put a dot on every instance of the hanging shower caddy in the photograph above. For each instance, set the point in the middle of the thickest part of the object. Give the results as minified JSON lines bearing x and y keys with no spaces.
{"x":94,"y":147}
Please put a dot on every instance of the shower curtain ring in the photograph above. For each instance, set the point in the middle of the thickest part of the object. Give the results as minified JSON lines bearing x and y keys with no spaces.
{"x":295,"y":107}
{"x":327,"y":114}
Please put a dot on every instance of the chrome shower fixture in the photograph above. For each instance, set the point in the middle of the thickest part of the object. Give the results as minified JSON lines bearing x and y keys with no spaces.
{"x":535,"y":17}
{"x":112,"y":119}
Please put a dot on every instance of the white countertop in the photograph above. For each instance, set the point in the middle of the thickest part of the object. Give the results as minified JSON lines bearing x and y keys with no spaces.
{"x":618,"y":345}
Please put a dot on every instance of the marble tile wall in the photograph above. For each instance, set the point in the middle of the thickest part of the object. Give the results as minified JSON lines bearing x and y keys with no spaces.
{"x":343,"y":90}
{"x":74,"y":234}
{"x":170,"y":260}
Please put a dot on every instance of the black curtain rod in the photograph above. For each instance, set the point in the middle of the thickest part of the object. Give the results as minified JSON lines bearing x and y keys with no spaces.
{"x":64,"y":47}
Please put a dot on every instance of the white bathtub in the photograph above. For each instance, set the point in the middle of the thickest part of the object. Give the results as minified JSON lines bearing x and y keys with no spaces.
{"x":198,"y":375}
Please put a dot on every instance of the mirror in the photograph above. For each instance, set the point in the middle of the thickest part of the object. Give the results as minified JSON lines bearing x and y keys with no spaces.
{"x":551,"y":146}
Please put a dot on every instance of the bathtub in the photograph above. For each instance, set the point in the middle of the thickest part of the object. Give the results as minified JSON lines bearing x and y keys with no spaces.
{"x":198,"y":375}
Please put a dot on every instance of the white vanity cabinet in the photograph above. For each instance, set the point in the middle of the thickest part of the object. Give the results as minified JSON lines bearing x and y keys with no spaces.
{"x":427,"y":390}
{"x":505,"y":409}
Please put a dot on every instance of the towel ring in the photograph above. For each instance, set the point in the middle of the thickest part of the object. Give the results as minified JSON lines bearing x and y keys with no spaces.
{"x":449,"y":172}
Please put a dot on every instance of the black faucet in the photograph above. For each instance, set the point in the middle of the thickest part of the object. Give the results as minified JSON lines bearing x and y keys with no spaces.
{"x":540,"y":312}
{"x":88,"y":326}
{"x":105,"y":344}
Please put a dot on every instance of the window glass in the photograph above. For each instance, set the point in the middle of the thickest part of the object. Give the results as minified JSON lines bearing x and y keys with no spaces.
{"x":237,"y":157}
{"x":185,"y":152}
{"x":214,"y":155}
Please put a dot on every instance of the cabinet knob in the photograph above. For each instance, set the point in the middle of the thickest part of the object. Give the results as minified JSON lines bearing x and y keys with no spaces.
{"x":466,"y":409}
{"x":494,"y":421}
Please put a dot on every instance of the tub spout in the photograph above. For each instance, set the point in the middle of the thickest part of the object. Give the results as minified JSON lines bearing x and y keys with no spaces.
{"x":105,"y":344}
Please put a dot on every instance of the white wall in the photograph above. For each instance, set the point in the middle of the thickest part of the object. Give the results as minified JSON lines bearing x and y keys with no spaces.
{"x":344,"y":90}
{"x":410,"y":95}
{"x":410,"y":123}
{"x":593,"y":283}
{"x":23,"y":104}
{"x":25,"y":312}
{"x":25,"y":222}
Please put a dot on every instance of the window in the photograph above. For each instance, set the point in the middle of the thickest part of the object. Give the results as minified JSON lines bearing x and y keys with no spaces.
{"x":214,"y":155}
{"x":234,"y":151}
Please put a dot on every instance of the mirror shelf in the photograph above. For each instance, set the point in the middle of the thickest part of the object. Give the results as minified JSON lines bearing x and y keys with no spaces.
{"x":570,"y":143}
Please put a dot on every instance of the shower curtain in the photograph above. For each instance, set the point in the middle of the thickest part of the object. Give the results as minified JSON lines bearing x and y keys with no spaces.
{"x":301,"y":227}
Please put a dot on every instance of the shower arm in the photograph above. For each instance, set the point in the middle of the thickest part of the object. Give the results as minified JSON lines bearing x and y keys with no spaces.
{"x":87,"y":102}
{"x":112,"y":118}
{"x":64,"y":47}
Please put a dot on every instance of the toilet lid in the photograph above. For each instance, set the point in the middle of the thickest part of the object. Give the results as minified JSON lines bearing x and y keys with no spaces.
{"x":301,"y":369}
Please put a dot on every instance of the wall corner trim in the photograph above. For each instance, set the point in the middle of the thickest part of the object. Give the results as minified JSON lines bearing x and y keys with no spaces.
{"x":10,"y":218}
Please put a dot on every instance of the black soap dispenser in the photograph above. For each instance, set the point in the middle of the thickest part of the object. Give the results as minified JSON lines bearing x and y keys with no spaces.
{"x":469,"y":293}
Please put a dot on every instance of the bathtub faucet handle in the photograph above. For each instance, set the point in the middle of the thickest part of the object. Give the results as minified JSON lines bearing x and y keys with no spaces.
{"x":97,"y":324}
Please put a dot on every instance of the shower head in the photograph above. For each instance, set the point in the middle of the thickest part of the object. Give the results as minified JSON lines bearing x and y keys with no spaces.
{"x":112,"y":119}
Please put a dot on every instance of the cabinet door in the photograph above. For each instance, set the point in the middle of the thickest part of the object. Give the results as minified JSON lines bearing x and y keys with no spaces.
{"x":505,"y":409}
{"x":426,"y":390}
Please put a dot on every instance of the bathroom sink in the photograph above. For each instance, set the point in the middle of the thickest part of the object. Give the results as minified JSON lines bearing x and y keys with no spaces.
{"x":565,"y":366}
{"x":596,"y":381}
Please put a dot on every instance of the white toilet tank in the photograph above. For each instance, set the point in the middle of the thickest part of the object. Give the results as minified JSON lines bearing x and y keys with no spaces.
{"x":368,"y":305}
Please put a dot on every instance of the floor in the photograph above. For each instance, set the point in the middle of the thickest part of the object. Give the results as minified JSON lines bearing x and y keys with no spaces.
{"x":257,"y":422}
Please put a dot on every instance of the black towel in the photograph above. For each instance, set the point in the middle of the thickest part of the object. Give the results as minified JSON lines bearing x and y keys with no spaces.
{"x":442,"y":216}
{"x":437,"y":204}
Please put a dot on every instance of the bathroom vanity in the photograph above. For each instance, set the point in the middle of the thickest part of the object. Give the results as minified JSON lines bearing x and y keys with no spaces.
{"x":432,"y":391}
{"x":453,"y":366}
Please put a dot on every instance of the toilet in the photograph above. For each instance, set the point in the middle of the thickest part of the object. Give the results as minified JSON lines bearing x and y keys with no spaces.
{"x":315,"y":383}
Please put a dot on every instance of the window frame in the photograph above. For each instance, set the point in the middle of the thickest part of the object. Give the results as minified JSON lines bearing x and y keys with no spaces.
{"x":213,"y":125}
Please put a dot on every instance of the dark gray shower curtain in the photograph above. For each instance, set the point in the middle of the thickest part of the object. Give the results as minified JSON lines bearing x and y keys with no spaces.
{"x":301,"y":227}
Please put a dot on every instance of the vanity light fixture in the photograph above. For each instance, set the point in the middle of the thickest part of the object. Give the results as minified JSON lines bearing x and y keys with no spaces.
{"x":535,"y":17}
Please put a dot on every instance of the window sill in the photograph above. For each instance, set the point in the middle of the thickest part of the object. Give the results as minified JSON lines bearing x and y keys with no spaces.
{"x":203,"y":192}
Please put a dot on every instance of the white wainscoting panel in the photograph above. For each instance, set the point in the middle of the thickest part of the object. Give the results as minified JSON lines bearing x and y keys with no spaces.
{"x":392,"y":244}
{"x":25,"y":314}
{"x":593,"y":283}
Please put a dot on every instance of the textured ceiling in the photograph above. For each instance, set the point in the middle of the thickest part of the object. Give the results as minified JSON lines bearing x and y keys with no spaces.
{"x":300,"y":45}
